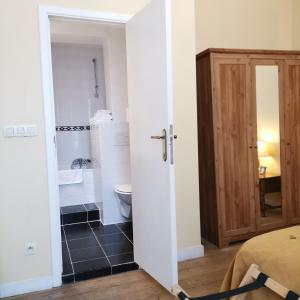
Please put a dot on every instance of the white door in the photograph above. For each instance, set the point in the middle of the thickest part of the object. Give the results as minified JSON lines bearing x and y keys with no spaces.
{"x":149,"y":63}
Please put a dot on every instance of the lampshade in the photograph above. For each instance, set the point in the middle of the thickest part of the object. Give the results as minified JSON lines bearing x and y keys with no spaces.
{"x":263,"y":150}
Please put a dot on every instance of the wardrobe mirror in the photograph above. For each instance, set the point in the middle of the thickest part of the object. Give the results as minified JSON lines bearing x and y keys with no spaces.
{"x":268,"y":142}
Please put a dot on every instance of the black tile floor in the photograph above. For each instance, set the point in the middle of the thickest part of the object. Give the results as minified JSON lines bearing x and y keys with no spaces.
{"x":91,"y":250}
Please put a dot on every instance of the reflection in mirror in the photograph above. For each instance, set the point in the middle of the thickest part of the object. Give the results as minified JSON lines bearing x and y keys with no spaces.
{"x":268,"y":144}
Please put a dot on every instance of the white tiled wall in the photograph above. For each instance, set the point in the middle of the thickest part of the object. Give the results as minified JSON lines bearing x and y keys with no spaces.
{"x":113,"y":41}
{"x":74,"y":83}
{"x":72,"y":145}
{"x":74,"y":94}
{"x":110,"y":152}
{"x":81,"y":193}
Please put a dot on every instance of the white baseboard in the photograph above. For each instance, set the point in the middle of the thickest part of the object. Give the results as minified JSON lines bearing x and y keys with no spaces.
{"x":190,"y":252}
{"x":25,"y":286}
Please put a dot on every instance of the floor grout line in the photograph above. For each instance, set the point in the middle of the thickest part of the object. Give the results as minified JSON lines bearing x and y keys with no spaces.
{"x":115,"y":243}
{"x":101,"y":248}
{"x":127,"y":263}
{"x":84,"y":206}
{"x":77,"y":223}
{"x":82,"y":238}
{"x":102,"y":244}
{"x":121,"y":254}
{"x":65,"y":275}
{"x":91,"y":259}
{"x":90,"y":247}
{"x":69,"y":252}
{"x":84,"y":222}
{"x":124,"y":234}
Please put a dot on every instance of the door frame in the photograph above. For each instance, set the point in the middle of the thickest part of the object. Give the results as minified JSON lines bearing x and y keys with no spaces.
{"x":45,"y":12}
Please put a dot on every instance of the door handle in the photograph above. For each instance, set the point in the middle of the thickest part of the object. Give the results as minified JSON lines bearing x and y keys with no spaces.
{"x":157,"y":137}
{"x":162,"y":137}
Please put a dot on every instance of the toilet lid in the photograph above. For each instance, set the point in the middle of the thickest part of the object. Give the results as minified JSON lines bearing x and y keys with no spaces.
{"x":124,"y":188}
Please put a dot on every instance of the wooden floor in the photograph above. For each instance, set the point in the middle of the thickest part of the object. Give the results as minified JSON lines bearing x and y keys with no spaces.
{"x":198,"y":277}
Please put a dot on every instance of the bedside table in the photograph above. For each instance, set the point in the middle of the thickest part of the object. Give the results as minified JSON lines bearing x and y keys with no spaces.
{"x":269,"y":184}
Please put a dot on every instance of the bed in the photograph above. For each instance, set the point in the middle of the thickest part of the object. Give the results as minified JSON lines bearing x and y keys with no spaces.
{"x":276,"y":253}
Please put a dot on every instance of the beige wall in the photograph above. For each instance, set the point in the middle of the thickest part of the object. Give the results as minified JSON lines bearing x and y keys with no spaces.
{"x":296,"y":24}
{"x":24,"y":199}
{"x":185,"y":116}
{"x":264,"y":24}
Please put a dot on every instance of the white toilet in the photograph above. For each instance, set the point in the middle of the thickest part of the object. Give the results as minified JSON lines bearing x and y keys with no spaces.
{"x":123,"y":193}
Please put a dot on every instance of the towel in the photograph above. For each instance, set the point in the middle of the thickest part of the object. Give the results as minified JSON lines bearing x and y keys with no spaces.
{"x":102,"y":116}
{"x":70,"y":176}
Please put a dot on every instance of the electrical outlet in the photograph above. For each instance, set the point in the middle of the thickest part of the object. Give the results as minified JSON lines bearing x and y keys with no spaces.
{"x":30,"y":248}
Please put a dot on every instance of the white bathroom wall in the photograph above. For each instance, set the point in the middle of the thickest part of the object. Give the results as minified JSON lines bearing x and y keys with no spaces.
{"x":74,"y":94}
{"x":74,"y":83}
{"x":113,"y":41}
{"x":80,"y":193}
{"x":110,"y":154}
{"x":72,"y":145}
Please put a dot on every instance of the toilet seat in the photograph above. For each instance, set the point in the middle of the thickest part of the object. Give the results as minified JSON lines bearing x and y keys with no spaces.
{"x":123,"y":188}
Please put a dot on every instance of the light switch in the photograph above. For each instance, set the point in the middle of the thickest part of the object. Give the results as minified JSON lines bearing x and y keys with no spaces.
{"x":8,"y":131}
{"x":20,"y":130}
{"x":31,"y":130}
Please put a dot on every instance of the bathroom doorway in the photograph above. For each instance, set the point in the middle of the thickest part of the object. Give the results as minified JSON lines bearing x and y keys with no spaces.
{"x":93,"y":152}
{"x":149,"y":82}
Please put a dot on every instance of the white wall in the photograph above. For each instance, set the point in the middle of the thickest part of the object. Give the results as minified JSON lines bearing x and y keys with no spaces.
{"x":74,"y":83}
{"x":79,"y":193}
{"x":74,"y":97}
{"x":112,"y":41}
{"x":111,"y":159}
{"x":72,"y":145}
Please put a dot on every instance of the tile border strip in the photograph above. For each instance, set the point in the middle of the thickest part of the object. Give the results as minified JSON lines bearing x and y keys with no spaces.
{"x":73,"y":128}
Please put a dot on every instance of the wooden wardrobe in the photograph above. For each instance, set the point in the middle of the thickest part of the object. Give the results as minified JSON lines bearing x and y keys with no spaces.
{"x":236,"y":202}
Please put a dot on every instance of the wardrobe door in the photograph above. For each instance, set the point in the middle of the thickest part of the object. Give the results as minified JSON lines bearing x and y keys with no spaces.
{"x":234,"y":154}
{"x":292,"y":124}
